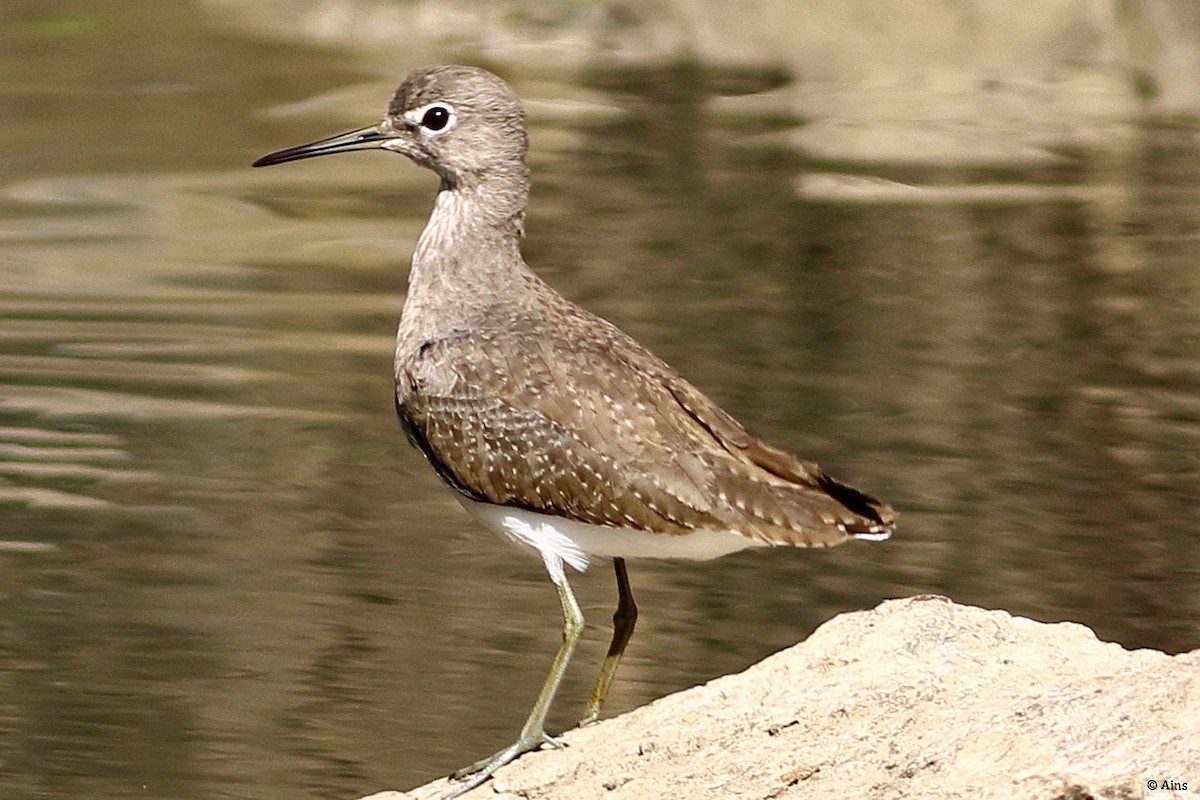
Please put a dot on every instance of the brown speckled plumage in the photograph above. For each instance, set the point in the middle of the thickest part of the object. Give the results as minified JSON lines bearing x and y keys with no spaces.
{"x":585,"y":423}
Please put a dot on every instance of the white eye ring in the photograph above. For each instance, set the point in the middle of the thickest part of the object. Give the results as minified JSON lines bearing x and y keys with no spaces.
{"x":433,"y":119}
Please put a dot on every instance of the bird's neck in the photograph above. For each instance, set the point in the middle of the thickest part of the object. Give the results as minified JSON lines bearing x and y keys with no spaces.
{"x":469,"y":253}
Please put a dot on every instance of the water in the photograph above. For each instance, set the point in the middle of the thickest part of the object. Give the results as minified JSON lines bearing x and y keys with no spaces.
{"x":224,"y":574}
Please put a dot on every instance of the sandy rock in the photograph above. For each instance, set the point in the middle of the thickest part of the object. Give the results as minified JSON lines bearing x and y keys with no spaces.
{"x":917,"y":698}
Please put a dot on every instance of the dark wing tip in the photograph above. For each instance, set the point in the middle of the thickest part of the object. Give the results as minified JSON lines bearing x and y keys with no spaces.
{"x":878,"y":518}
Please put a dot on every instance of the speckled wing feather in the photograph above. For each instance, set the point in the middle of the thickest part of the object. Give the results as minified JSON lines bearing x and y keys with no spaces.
{"x":587,"y":424}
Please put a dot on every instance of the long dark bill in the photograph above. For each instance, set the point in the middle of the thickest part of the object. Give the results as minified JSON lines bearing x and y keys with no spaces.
{"x":361,"y":139}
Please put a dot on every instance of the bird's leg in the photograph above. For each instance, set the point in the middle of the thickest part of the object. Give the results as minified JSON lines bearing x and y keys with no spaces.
{"x":533,"y":734}
{"x":624,"y":618}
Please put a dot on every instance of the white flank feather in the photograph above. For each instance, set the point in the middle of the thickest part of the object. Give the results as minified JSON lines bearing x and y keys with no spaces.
{"x":554,"y":546}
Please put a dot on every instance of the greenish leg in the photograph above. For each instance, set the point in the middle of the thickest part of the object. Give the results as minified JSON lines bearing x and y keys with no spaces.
{"x":533,"y":734}
{"x":624,"y":618}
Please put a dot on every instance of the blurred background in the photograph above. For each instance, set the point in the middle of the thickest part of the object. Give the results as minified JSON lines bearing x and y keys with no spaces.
{"x":946,"y":249}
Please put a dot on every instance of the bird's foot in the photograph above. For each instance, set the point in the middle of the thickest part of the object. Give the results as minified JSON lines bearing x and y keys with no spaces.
{"x":590,"y":715}
{"x":477,"y":773}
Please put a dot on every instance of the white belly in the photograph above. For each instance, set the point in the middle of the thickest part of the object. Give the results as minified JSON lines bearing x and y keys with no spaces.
{"x":573,"y":542}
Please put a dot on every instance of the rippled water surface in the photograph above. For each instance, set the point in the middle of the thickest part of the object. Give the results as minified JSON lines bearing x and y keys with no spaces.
{"x":223,"y":573}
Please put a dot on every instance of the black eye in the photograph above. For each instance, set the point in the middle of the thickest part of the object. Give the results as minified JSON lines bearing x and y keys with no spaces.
{"x":436,"y":118}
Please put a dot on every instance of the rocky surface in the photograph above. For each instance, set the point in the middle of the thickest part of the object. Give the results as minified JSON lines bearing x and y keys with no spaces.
{"x":917,"y":698}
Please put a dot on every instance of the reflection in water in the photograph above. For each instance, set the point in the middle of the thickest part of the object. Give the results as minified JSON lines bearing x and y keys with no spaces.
{"x":223,"y":573}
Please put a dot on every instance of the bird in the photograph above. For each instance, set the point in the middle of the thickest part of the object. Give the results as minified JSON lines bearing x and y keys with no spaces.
{"x":552,"y":427}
